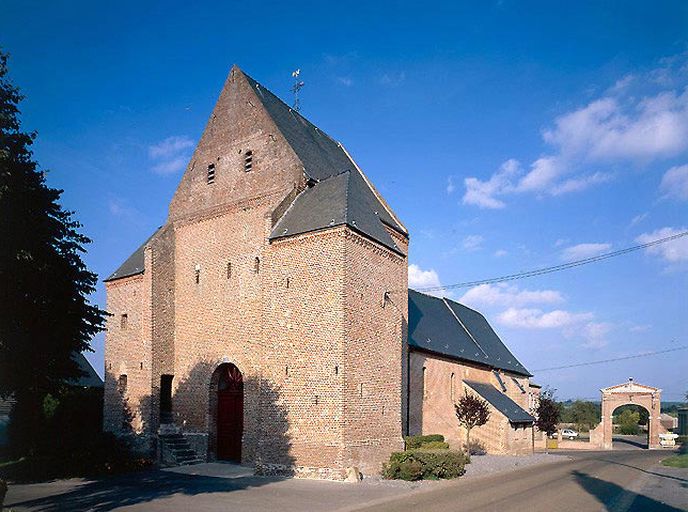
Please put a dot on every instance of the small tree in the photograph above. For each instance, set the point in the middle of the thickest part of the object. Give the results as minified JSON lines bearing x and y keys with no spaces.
{"x":547,"y":413}
{"x":471,"y":412}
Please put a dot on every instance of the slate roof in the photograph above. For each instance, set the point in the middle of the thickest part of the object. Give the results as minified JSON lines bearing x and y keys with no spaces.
{"x":133,"y":264}
{"x":341,"y":199}
{"x":350,"y":197}
{"x":514,"y":412}
{"x":91,"y":379}
{"x":451,"y":329}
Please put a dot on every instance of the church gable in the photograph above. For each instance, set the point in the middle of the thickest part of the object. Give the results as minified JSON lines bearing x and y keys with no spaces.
{"x":241,"y":156}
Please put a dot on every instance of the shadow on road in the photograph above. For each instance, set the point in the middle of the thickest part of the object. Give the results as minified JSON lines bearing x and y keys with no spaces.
{"x":110,"y":493}
{"x":635,"y":442}
{"x":615,"y":497}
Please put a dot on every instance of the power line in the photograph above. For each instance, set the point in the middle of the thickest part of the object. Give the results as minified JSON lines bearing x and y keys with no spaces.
{"x":602,"y":361}
{"x":555,"y":268}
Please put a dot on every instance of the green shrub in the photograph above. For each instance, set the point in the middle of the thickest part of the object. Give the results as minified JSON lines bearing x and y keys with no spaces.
{"x":425,"y":464}
{"x":413,"y":442}
{"x":434,"y":445}
{"x":629,"y":429}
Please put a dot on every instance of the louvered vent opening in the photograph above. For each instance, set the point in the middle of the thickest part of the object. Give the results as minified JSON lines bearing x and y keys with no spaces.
{"x":248,"y":161}
{"x":211,"y":174}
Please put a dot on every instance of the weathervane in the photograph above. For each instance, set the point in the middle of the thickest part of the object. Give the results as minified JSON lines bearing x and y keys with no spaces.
{"x":298,"y":85}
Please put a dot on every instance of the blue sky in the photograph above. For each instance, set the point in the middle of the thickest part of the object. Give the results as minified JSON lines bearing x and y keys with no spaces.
{"x":507,"y":136}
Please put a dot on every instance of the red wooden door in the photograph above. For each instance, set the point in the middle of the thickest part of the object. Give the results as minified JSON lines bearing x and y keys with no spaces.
{"x":230,"y":413}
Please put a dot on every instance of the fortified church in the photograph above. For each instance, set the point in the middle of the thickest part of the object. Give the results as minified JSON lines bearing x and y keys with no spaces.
{"x":269,"y":320}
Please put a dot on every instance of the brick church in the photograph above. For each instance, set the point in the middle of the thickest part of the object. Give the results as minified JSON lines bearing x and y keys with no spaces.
{"x":269,"y":320}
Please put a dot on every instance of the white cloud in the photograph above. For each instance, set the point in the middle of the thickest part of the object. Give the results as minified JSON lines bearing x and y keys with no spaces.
{"x":169,"y":147}
{"x":582,"y":251}
{"x":581,"y":183}
{"x":482,"y":193}
{"x":419,"y":278}
{"x":675,"y":182}
{"x":500,"y":253}
{"x":472,"y":242}
{"x":171,"y":154}
{"x":595,"y":334}
{"x":638,"y":219}
{"x":674,"y":251}
{"x":533,"y":318}
{"x":450,"y":185}
{"x":345,"y":81}
{"x":642,"y":118}
{"x":503,"y":294}
{"x":609,"y":129}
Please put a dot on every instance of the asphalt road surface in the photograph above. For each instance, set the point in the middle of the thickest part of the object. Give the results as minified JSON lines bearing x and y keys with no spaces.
{"x":614,"y":481}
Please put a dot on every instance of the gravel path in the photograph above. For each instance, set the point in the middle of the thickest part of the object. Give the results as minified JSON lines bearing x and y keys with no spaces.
{"x":487,"y":464}
{"x":480,"y":465}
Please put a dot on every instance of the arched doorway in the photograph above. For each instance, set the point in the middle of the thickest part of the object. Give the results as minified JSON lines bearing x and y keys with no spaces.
{"x":629,"y":392}
{"x":630,"y":427}
{"x":229,"y":415}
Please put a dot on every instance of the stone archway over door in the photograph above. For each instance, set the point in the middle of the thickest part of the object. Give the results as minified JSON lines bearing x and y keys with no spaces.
{"x":230,"y":412}
{"x":636,"y":394}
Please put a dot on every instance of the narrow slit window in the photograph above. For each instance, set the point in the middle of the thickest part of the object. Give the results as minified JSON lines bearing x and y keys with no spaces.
{"x":197,"y":274}
{"x":123,"y":320}
{"x":122,"y":384}
{"x":451,"y":387}
{"x":229,"y":270}
{"x":211,"y":174}
{"x":360,"y":390}
{"x":248,"y":161}
{"x":425,"y":387}
{"x":256,"y":265}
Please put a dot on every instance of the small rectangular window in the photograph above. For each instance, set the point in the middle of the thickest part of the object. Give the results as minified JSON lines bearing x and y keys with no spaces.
{"x":211,"y":174}
{"x":248,"y":161}
{"x":229,"y":270}
{"x":123,"y":320}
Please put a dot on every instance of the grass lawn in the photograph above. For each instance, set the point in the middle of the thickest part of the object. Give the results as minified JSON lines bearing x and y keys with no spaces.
{"x":677,"y":461}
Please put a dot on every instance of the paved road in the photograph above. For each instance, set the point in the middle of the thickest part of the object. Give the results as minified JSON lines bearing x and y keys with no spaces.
{"x":616,"y":481}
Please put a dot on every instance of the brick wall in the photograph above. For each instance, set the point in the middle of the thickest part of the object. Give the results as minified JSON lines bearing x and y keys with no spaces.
{"x":432,"y":411}
{"x":127,"y":353}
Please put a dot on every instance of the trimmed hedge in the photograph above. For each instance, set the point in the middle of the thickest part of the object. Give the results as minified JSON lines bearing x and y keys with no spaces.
{"x":425,"y":464}
{"x":414,"y":442}
{"x":434,"y":445}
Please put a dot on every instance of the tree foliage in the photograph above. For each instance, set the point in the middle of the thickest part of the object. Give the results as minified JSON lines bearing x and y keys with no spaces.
{"x":585,"y":415}
{"x":548,"y":413}
{"x":45,"y":314}
{"x":471,"y":412}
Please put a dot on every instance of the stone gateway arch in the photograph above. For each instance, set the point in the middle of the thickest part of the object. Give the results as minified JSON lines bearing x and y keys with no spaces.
{"x":627,"y":393}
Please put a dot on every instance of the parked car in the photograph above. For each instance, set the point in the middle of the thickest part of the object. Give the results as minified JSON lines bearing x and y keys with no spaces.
{"x":569,"y":434}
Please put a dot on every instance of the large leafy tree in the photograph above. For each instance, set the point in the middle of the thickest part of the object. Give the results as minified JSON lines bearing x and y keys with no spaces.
{"x":45,"y":314}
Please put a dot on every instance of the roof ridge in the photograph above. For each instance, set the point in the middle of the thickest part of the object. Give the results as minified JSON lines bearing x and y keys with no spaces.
{"x":262,"y":87}
{"x":470,"y":335}
{"x":374,"y":190}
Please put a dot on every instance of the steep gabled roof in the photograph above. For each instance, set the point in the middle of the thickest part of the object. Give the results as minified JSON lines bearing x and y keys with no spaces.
{"x":341,"y":199}
{"x":448,"y":328}
{"x":338,"y":192}
{"x":133,"y":265}
{"x":505,"y":405}
{"x":324,"y":158}
{"x":91,"y":379}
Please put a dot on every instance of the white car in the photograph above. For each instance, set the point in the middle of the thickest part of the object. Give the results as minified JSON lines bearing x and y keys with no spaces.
{"x":569,"y":434}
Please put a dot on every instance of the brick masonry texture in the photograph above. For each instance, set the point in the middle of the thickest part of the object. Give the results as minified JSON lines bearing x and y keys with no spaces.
{"x":306,"y":319}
